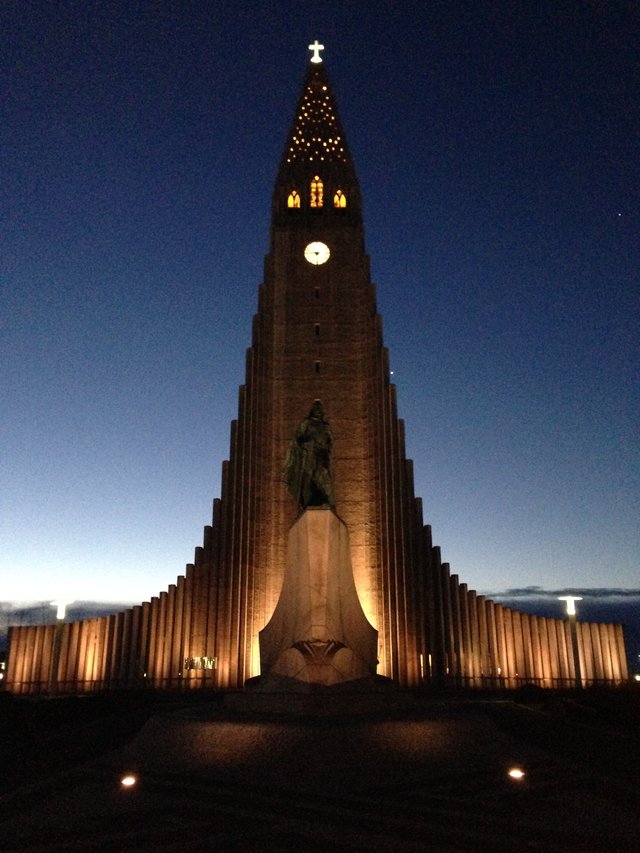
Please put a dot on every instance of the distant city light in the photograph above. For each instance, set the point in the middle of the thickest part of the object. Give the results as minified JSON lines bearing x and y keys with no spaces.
{"x":128,"y":781}
{"x":516,"y":773}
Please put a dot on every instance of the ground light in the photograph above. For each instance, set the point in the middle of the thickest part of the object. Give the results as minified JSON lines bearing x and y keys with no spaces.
{"x":128,"y":781}
{"x":516,"y":773}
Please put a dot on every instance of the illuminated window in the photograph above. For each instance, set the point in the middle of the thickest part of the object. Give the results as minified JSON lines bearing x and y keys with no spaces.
{"x":317,"y":189}
{"x":294,"y":199}
{"x":339,"y":199}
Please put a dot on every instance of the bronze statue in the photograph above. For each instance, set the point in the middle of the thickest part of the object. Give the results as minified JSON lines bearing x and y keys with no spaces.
{"x":307,"y":470}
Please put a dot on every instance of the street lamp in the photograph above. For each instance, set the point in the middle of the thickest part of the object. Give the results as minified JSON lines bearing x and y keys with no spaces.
{"x":571,"y":603}
{"x":573,"y":627}
{"x":61,"y":605}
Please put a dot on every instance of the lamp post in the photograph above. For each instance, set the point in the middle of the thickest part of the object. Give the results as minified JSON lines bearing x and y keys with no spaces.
{"x":573,"y":628}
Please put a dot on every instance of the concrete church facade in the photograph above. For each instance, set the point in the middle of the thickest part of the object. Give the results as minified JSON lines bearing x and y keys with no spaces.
{"x":316,"y":336}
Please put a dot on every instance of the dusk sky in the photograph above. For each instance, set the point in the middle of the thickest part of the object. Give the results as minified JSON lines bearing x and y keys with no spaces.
{"x":497,"y":148}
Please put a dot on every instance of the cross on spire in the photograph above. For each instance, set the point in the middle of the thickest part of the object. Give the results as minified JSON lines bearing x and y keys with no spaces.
{"x":316,"y":47}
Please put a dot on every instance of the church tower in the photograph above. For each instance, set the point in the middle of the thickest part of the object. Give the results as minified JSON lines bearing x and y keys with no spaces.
{"x":316,"y":336}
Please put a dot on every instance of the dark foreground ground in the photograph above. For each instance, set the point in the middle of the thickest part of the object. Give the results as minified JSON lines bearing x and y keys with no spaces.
{"x":424,"y":772}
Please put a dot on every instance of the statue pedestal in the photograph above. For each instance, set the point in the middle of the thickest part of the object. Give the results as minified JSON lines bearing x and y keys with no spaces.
{"x":318,"y":633}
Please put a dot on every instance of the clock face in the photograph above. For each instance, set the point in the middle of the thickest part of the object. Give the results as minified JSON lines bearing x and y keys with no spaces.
{"x":317,"y":253}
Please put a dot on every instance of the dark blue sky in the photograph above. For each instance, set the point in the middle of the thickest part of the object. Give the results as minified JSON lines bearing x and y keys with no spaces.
{"x":497,"y":149}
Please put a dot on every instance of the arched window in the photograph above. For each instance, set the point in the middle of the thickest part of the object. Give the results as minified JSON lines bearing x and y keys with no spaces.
{"x":339,"y":199}
{"x":294,"y":199}
{"x":317,"y":192}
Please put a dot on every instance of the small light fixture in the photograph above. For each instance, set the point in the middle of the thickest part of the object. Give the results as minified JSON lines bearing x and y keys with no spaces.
{"x":128,"y":781}
{"x":516,"y":773}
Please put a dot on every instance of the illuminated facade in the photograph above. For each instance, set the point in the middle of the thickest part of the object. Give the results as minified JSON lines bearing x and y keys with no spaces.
{"x":316,"y":335}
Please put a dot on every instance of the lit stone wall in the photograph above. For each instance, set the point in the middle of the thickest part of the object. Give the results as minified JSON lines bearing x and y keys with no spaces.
{"x":475,"y":642}
{"x":478,"y":642}
{"x":316,"y":334}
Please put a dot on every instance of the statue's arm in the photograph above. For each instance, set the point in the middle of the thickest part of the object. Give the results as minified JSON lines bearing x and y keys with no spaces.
{"x":301,"y":432}
{"x":329,"y":437}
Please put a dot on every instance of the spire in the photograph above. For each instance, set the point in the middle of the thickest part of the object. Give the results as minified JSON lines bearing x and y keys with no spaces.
{"x":317,"y":135}
{"x":316,"y":147}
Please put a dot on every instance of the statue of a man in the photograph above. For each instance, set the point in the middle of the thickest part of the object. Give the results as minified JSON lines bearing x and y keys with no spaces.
{"x":307,"y":470}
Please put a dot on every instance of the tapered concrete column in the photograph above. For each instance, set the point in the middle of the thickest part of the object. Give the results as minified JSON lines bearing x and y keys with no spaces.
{"x":575,"y":644}
{"x":510,"y":643}
{"x":475,"y":650}
{"x":527,"y":647}
{"x":599,"y":673}
{"x":463,"y":597}
{"x":436,"y":618}
{"x":543,"y":648}
{"x":618,"y":641}
{"x":502,"y":661}
{"x":458,"y":639}
{"x":492,"y":639}
{"x":449,"y":643}
{"x":133,"y":664}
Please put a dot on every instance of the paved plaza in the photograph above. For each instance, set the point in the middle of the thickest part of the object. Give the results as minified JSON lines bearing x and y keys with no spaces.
{"x":420,"y":774}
